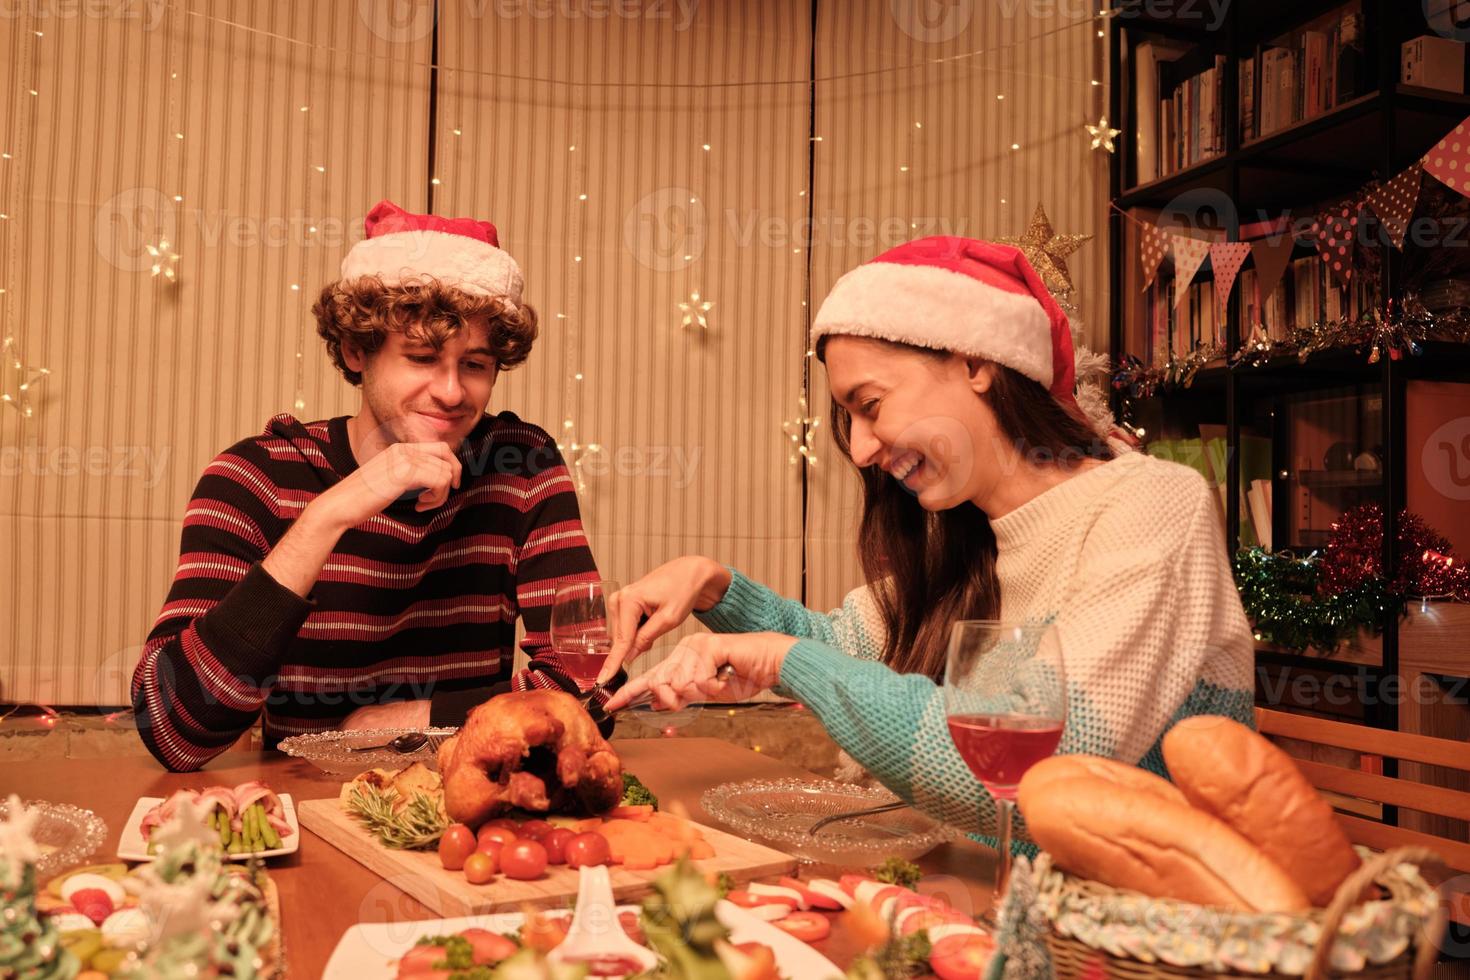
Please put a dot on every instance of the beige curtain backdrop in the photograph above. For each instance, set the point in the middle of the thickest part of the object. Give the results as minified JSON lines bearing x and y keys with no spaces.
{"x":580,"y":129}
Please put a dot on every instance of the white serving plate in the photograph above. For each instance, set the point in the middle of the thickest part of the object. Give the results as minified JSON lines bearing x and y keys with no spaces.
{"x":132,"y":847}
{"x":370,"y":950}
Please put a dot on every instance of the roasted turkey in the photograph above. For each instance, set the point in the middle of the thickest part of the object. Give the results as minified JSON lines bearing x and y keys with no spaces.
{"x":533,"y":750}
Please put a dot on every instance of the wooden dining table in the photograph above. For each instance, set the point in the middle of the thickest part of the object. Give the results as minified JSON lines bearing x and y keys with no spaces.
{"x":323,"y":891}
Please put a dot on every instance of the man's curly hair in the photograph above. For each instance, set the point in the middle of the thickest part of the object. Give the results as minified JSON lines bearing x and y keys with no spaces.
{"x":364,"y":311}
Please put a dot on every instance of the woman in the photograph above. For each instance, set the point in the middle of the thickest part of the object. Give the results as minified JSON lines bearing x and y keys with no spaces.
{"x":987,"y":495}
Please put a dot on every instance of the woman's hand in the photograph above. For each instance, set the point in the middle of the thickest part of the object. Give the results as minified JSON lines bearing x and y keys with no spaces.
{"x":664,"y":598}
{"x":689,"y":672}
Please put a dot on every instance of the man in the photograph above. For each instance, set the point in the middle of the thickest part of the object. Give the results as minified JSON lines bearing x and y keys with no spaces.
{"x":367,"y":571}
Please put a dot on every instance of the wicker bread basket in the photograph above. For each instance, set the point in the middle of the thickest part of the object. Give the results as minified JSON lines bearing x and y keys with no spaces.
{"x":1096,"y":931}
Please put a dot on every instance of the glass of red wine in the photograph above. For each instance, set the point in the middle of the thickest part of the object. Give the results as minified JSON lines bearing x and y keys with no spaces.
{"x":1005,"y":698}
{"x":580,"y":635}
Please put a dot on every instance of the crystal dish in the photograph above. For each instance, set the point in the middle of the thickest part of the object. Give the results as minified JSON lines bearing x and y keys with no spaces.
{"x":67,"y":835}
{"x":778,"y":812}
{"x":330,"y":751}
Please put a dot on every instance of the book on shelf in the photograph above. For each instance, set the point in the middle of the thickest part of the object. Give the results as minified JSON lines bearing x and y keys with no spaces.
{"x":1179,"y":107}
{"x":1302,"y":74}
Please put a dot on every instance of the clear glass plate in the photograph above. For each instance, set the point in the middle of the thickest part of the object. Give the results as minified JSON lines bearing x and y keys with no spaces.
{"x":779,"y":812}
{"x":67,"y":835}
{"x":332,"y":751}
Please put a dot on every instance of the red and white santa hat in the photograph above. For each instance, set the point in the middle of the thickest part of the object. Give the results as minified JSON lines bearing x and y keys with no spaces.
{"x":958,"y":294}
{"x":403,"y":247}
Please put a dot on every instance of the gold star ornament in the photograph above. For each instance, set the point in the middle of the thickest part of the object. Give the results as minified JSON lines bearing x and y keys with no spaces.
{"x":694,"y":309}
{"x":1102,"y":135}
{"x":1047,"y":251}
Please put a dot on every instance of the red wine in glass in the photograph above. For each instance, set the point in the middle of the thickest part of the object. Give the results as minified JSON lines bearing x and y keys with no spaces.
{"x":584,"y":659}
{"x":1000,"y":748}
{"x":580,"y":633}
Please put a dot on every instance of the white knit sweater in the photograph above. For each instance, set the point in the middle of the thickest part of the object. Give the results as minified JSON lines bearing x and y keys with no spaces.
{"x":1127,"y":559}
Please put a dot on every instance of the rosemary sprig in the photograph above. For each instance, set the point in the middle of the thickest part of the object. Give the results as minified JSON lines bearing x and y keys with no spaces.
{"x":418,"y":826}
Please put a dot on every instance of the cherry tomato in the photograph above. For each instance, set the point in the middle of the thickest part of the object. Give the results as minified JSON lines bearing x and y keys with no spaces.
{"x":809,"y":927}
{"x":506,"y":822}
{"x":961,"y":957}
{"x":489,"y":947}
{"x":457,"y":844}
{"x":523,"y":859}
{"x":586,"y":850}
{"x":479,"y":868}
{"x":555,"y":843}
{"x":492,"y":848}
{"x":490,"y":832}
{"x":534,"y":829}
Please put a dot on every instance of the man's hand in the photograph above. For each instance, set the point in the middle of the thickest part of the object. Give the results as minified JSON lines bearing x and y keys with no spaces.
{"x":429,"y":467}
{"x":398,"y":714}
{"x":689,"y":672}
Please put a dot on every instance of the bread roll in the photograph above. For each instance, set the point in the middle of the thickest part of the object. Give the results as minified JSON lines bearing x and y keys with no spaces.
{"x":1057,"y":767}
{"x":1227,"y":770}
{"x":1138,"y":840}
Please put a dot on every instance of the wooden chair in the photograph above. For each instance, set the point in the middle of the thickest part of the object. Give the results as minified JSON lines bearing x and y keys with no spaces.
{"x":1341,"y":785}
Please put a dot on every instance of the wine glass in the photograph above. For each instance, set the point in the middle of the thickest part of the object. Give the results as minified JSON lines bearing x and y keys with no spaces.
{"x":580,"y":635}
{"x":1005,"y":699}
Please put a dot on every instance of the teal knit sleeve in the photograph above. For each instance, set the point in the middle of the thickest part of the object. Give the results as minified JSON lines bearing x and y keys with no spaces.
{"x":749,"y":607}
{"x":894,"y":726}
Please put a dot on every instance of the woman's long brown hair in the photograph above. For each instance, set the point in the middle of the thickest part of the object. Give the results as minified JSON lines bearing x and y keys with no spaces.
{"x":928,"y":570}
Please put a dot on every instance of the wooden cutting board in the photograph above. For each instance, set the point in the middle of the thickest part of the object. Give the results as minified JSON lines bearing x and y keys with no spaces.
{"x":448,"y":893}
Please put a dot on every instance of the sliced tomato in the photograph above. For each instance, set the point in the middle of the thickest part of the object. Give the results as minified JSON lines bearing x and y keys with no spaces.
{"x":849,"y":883}
{"x":961,"y":957}
{"x":813,"y":899}
{"x":419,"y":962}
{"x":929,"y":917}
{"x":757,"y":962}
{"x":489,"y":947}
{"x":809,"y":927}
{"x":632,"y":925}
{"x":746,"y":900}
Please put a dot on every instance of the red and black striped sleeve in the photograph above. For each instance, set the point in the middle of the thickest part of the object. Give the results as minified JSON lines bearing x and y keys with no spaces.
{"x":215,"y":648}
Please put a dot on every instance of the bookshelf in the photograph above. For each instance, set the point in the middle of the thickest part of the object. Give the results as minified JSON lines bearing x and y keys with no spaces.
{"x":1370,"y":130}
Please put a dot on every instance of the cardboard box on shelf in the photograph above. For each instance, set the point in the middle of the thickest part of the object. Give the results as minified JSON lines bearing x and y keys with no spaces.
{"x":1433,"y":62}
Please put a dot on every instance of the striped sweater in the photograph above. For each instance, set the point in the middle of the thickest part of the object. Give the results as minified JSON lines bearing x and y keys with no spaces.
{"x":1127,"y":561}
{"x":409,"y":605}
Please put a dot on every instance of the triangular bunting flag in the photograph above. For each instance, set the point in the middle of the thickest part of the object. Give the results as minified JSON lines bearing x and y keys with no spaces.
{"x":1449,"y":161}
{"x":1394,"y":203}
{"x":1335,"y":232}
{"x":1153,"y":243}
{"x":1272,"y":256}
{"x":1226,"y":258}
{"x":1189,"y":255}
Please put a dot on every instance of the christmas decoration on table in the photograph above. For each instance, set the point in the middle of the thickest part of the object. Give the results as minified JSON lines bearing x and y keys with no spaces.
{"x":801,"y":432}
{"x":575,"y":453}
{"x":1394,"y":203}
{"x":1047,"y":251}
{"x":24,"y":378}
{"x":1336,"y":233}
{"x":30,"y":946}
{"x":1189,"y":255}
{"x":165,"y":259}
{"x":1323,"y":599}
{"x":694,"y":309}
{"x":1103,"y":135}
{"x":1226,"y":258}
{"x":1021,"y":928}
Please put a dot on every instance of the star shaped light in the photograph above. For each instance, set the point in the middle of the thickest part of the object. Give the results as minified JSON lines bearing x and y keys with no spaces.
{"x":1047,"y":251}
{"x":164,"y":260}
{"x":801,"y":431}
{"x":694,"y":310}
{"x":186,"y":827}
{"x":26,"y":378}
{"x":18,"y":846}
{"x":576,"y":453}
{"x":1102,"y":134}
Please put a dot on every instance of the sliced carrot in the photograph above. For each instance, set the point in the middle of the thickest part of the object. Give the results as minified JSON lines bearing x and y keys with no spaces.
{"x":699,"y":850}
